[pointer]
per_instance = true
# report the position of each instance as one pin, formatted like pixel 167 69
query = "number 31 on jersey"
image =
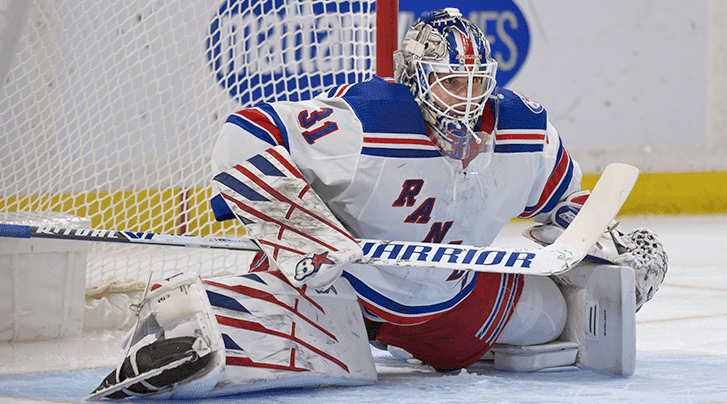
pixel 311 120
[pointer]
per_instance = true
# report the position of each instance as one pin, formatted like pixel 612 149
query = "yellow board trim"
pixel 188 212
pixel 674 193
pixel 169 211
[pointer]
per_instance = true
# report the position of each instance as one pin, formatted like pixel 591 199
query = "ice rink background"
pixel 681 347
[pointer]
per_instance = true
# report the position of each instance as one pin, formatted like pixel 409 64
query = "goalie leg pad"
pixel 601 316
pixel 175 350
pixel 553 356
pixel 600 330
pixel 527 344
pixel 280 336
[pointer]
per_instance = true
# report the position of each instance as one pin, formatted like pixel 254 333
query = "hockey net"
pixel 110 110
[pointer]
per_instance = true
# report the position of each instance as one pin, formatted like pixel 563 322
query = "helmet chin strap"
pixel 469 131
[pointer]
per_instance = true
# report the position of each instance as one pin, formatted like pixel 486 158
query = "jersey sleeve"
pixel 322 135
pixel 559 177
pixel 246 133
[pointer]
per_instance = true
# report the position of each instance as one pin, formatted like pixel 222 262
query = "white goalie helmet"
pixel 445 60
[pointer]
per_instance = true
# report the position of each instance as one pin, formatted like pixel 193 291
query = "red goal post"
pixel 387 36
pixel 109 110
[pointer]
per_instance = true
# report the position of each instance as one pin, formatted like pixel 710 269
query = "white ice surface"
pixel 681 347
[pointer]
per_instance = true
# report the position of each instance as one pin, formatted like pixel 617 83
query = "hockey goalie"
pixel 439 154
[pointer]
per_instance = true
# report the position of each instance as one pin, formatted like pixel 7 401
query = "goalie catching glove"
pixel 293 226
pixel 639 249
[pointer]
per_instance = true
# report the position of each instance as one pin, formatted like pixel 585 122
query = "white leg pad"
pixel 279 336
pixel 601 316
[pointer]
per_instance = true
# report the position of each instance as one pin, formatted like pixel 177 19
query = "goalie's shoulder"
pixel 519 112
pixel 382 106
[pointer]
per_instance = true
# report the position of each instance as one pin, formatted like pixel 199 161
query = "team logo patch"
pixel 309 266
pixel 565 215
pixel 532 105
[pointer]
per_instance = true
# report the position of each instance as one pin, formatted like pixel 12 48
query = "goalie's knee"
pixel 539 316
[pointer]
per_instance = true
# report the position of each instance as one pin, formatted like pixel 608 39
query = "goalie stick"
pixel 605 201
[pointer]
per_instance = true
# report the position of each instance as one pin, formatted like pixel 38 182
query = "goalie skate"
pixel 153 369
pixel 175 350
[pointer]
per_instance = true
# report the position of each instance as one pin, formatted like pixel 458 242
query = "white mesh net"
pixel 111 108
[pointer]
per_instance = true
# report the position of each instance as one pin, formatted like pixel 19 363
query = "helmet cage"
pixel 479 80
pixel 442 48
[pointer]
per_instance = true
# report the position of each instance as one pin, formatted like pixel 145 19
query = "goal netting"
pixel 109 109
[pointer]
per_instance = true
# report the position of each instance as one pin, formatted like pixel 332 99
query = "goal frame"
pixel 49 83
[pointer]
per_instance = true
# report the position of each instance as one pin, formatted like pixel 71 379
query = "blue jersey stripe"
pixel 560 192
pixel 562 188
pixel 268 109
pixel 395 307
pixel 401 153
pixel 518 148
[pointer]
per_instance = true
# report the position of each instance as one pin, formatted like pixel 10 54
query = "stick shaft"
pixel 127 237
pixel 602 206
pixel 427 255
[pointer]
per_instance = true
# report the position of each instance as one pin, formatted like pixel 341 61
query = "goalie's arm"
pixel 559 177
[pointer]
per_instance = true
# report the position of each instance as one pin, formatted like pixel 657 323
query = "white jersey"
pixel 364 150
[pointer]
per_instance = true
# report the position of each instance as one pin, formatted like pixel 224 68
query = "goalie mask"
pixel 445 60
